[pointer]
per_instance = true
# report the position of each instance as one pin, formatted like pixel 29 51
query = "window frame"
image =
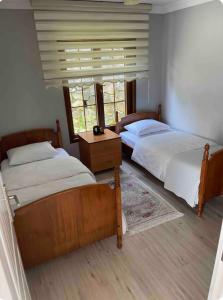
pixel 130 90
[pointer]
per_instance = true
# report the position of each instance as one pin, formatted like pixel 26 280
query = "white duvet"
pixel 183 174
pixel 174 157
pixel 41 172
pixel 154 152
pixel 35 180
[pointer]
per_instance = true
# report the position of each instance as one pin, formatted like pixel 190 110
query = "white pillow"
pixel 29 153
pixel 147 126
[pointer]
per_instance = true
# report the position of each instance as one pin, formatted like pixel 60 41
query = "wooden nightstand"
pixel 100 152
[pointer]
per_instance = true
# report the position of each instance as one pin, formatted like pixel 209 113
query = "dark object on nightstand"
pixel 100 152
pixel 97 130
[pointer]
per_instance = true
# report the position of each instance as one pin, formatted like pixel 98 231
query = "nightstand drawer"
pixel 105 155
pixel 104 163
pixel 106 148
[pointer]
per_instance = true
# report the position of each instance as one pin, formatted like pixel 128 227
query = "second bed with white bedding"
pixel 174 157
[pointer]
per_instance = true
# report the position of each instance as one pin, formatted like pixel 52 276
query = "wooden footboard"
pixel 211 181
pixel 68 220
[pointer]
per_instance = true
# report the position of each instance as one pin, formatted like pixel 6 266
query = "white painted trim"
pixel 157 9
pixel 216 289
pixel 176 5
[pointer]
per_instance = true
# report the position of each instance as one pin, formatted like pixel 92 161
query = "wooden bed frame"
pixel 62 222
pixel 211 177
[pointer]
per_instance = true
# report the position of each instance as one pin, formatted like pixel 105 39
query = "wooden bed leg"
pixel 203 178
pixel 200 209
pixel 118 207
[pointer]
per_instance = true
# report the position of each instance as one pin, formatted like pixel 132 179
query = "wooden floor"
pixel 171 261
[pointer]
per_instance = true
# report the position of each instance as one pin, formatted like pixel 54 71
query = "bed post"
pixel 59 135
pixel 203 178
pixel 118 207
pixel 159 112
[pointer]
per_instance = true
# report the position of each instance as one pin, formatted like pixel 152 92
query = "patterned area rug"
pixel 143 208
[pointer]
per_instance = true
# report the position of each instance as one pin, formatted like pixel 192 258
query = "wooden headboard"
pixel 28 137
pixel 137 117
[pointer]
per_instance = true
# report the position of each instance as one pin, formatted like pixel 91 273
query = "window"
pixel 94 104
pixel 86 44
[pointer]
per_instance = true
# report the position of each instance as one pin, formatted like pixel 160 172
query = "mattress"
pixel 27 185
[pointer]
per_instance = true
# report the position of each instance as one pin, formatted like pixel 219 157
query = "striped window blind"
pixel 83 42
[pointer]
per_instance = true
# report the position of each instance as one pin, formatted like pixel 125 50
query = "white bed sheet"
pixel 174 158
pixel 129 138
pixel 31 186
pixel 183 174
pixel 154 152
pixel 61 153
pixel 30 194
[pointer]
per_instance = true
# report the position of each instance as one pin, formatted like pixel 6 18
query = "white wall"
pixel 25 103
pixel 192 93
pixel 149 90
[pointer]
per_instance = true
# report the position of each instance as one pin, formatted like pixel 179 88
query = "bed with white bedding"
pixel 183 173
pixel 61 207
pixel 155 152
pixel 32 181
pixel 175 157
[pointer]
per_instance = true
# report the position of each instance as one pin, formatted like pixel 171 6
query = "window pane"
pixel 91 116
pixel 89 94
pixel 120 91
pixel 78 119
pixel 108 91
pixel 120 107
pixel 109 114
pixel 84 106
pixel 76 97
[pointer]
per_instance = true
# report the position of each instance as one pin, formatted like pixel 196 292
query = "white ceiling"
pixel 159 6
pixel 141 1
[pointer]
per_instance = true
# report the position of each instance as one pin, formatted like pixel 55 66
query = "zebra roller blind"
pixel 81 42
